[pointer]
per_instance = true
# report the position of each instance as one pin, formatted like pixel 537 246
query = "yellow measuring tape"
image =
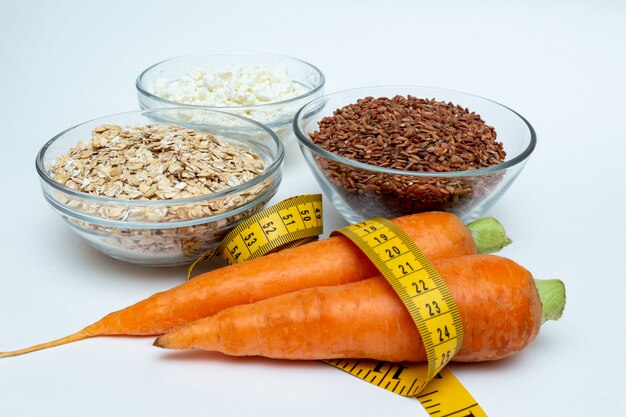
pixel 299 220
pixel 292 222
pixel 428 300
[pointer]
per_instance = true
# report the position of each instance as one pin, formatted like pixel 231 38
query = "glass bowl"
pixel 277 115
pixel 163 232
pixel 361 191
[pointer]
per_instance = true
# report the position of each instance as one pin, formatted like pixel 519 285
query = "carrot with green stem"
pixel 332 261
pixel 498 301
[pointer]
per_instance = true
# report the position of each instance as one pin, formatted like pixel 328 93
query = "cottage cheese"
pixel 233 87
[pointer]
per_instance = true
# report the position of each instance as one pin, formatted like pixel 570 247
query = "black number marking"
pixel 420 286
pixel 396 375
pixel 287 217
pixel 406 268
pixel 268 227
pixel 304 213
pixel 445 358
pixel 393 251
pixel 381 238
pixel 250 239
pixel 433 308
pixel 443 333
pixel 234 253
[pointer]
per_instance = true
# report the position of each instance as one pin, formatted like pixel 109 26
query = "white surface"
pixel 561 65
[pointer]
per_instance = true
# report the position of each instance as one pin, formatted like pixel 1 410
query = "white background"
pixel 561 64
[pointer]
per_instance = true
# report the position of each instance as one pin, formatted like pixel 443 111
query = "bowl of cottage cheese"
pixel 267 88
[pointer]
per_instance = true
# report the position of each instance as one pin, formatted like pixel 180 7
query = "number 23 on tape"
pixel 298 220
pixel 428 300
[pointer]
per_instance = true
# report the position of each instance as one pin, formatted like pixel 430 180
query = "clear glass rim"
pixel 123 224
pixel 269 171
pixel 310 108
pixel 141 88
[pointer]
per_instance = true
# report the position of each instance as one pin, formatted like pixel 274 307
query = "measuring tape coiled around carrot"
pixel 336 313
pixel 497 300
pixel 331 261
pixel 364 320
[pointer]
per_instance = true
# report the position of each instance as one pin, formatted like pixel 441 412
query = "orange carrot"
pixel 328 262
pixel 497 299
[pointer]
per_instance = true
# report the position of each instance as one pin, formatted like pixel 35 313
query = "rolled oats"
pixel 135 166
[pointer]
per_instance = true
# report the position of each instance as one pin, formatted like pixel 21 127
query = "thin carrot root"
pixel 74 337
pixel 332 261
pixel 497 299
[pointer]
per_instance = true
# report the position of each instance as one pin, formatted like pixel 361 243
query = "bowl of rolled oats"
pixel 265 87
pixel 394 150
pixel 152 187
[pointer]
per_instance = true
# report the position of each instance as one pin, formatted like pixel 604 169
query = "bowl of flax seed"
pixel 396 150
pixel 150 187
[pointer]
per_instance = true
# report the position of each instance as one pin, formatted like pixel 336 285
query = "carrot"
pixel 328 262
pixel 497 299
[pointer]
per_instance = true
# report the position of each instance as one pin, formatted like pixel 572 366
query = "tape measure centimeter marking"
pixel 399 378
pixel 427 299
pixel 292 219
pixel 445 396
pixel 298 220
pixel 418 284
pixel 290 223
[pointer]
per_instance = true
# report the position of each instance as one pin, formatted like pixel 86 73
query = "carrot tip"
pixel 83 334
pixel 158 343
